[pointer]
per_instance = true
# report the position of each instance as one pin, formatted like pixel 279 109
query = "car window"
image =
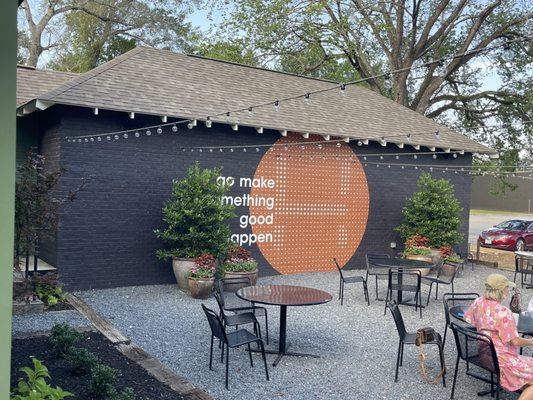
pixel 530 228
pixel 513 225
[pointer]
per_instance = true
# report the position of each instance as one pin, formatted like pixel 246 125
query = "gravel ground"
pixel 356 343
pixel 29 323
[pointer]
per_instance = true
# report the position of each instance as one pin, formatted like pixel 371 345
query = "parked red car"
pixel 516 234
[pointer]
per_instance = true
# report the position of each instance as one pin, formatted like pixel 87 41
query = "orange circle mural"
pixel 320 205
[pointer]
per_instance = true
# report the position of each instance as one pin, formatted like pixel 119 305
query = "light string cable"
pixel 276 103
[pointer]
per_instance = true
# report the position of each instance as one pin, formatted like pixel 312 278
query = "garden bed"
pixel 131 374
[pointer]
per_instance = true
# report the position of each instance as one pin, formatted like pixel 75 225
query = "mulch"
pixel 131 374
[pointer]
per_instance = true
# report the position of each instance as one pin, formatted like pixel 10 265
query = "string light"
pixel 343 90
pixel 276 106
pixel 159 131
pixel 250 111
pixel 208 122
pixel 190 125
pixel 148 133
pixel 137 134
pixel 174 128
pixel 125 136
pixel 307 98
pixel 437 135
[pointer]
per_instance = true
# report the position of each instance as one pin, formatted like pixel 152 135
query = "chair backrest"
pixel 409 277
pixel 338 267
pixel 398 319
pixel 217 329
pixel 370 257
pixel 455 298
pixel 447 271
pixel 218 291
pixel 475 348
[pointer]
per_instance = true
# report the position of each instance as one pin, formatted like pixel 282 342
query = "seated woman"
pixel 489 316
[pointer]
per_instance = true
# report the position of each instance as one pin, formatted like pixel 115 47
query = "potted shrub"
pixel 195 221
pixel 432 212
pixel 239 264
pixel 201 278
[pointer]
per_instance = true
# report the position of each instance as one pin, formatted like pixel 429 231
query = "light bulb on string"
pixel 190 125
pixel 228 116
pixel 210 150
pixel 79 140
pixel 159 131
pixel 359 143
pixel 148 133
pixel 221 150
pixel 381 157
pixel 250 111
pixel 116 137
pixel 408 137
pixel 338 144
pixel 200 150
pixel 99 138
pixel 276 106
pixel 231 150
pixel 91 139
pixel 319 146
pixel 125 136
pixel 397 157
pixel 437 135
pixel 415 156
pixel 364 158
pixel 108 137
pixel 343 90
pixel 86 140
pixel 244 150
pixel 208 122
pixel 434 156
pixel 174 128
pixel 307 98
pixel 137 134
pixel 454 155
pixel 257 149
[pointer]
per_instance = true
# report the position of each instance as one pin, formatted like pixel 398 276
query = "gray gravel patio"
pixel 356 343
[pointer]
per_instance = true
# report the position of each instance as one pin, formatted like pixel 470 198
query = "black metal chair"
pixel 454 298
pixel 233 339
pixel 525 269
pixel 242 318
pixel 373 270
pixel 350 279
pixel 445 276
pixel 406 281
pixel 476 348
pixel 410 338
pixel 231 303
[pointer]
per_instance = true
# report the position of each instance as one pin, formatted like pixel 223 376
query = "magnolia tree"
pixel 194 216
pixel 433 212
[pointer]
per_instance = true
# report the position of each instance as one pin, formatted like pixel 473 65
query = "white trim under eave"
pixel 34 106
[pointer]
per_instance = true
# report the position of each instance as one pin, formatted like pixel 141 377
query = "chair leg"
pixel 442 364
pixel 401 355
pixel 227 365
pixel 387 300
pixel 266 325
pixel 420 300
pixel 342 293
pixel 377 298
pixel 340 287
pixel 455 377
pixel 222 352
pixel 398 362
pixel 429 294
pixel 437 291
pixel 250 354
pixel 211 353
pixel 264 359
pixel 365 288
pixel 444 336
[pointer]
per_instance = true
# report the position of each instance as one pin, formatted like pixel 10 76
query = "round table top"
pixel 524 325
pixel 401 263
pixel 284 295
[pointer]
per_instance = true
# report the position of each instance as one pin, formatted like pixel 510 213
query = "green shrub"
pixel 103 380
pixel 62 338
pixel 195 216
pixel 35 387
pixel 240 266
pixel 81 360
pixel 48 290
pixel 126 394
pixel 433 212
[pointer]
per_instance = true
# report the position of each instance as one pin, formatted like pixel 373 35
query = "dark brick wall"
pixel 106 236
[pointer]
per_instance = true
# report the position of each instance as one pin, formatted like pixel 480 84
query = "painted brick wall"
pixel 106 236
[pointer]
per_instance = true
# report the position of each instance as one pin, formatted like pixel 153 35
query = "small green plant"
pixel 418 251
pixel 103 380
pixel 239 260
pixel 48 290
pixel 62 338
pixel 81 360
pixel 35 387
pixel 126 394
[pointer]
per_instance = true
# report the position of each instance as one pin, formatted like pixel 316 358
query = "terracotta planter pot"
pixel 429 258
pixel 181 268
pixel 201 288
pixel 233 287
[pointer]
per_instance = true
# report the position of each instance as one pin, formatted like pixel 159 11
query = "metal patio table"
pixel 284 296
pixel 402 264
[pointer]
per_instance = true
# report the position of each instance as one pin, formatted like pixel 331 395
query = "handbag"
pixel 515 305
pixel 425 335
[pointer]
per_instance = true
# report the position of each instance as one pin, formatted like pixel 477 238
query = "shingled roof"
pixel 159 82
pixel 33 83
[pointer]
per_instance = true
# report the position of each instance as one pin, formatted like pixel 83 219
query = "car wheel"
pixel 520 245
